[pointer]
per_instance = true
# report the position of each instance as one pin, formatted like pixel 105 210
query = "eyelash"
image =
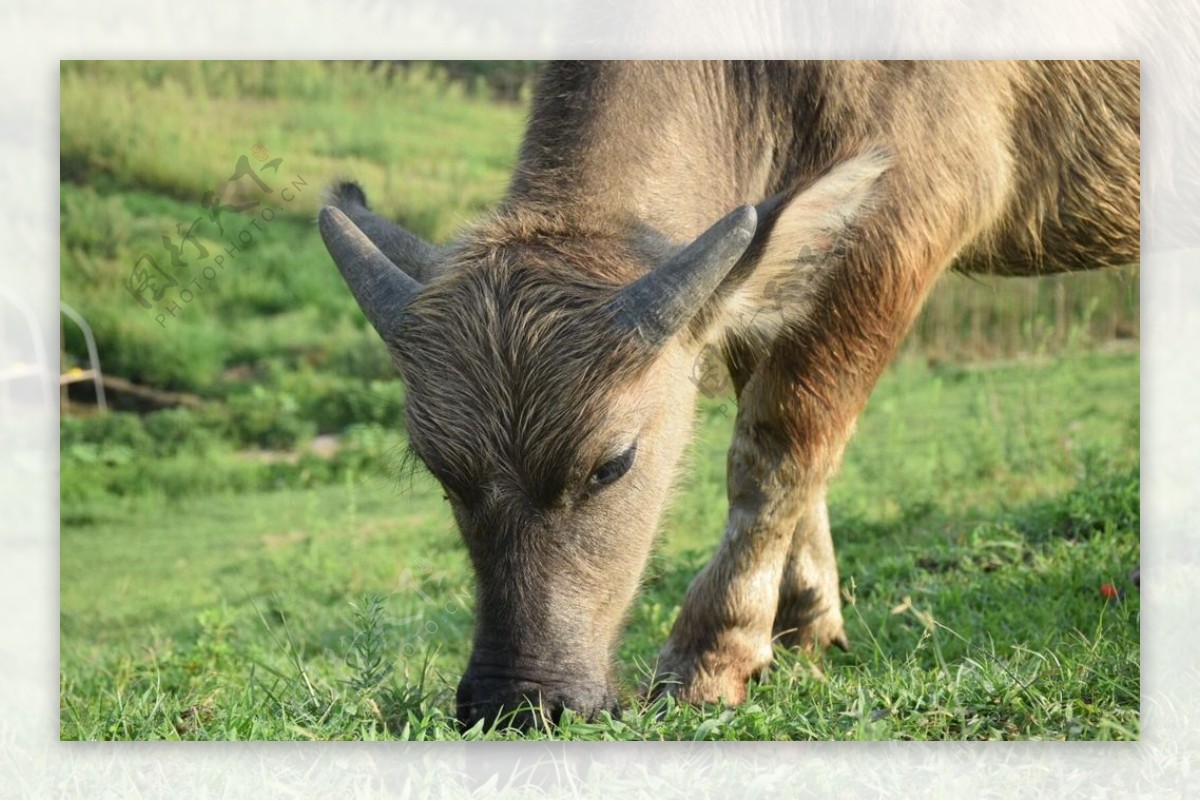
pixel 612 470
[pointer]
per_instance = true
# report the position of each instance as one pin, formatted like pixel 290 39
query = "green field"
pixel 257 563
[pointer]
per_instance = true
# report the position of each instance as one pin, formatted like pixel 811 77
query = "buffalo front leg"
pixel 775 570
pixel 723 635
pixel 810 609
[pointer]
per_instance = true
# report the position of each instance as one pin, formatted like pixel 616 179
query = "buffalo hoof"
pixel 711 677
pixel 815 636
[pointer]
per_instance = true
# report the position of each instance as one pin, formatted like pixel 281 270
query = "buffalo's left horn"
pixel 381 288
pixel 406 250
pixel 660 303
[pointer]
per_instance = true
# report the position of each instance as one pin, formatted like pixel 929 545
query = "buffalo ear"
pixel 800 240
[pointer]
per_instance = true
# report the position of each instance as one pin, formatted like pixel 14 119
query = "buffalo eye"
pixel 609 471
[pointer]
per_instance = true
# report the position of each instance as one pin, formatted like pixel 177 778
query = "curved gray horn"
pixel 381 288
pixel 664 300
pixel 406 250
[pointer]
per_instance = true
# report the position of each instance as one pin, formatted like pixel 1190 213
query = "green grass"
pixel 977 516
pixel 428 153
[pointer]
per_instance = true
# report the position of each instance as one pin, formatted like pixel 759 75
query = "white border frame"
pixel 1164 36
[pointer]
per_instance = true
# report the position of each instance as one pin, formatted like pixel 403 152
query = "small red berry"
pixel 1109 591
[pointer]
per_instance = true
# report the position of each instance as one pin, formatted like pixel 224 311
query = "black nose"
pixel 526 703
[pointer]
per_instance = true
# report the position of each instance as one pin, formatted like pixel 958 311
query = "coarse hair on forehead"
pixel 510 356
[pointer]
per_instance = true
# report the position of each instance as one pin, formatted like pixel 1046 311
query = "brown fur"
pixel 882 175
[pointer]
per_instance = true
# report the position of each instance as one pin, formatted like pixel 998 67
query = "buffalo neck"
pixel 666 147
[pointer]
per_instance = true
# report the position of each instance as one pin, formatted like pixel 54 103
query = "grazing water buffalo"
pixel 656 211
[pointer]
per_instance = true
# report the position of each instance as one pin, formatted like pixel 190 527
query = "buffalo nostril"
pixel 526 704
